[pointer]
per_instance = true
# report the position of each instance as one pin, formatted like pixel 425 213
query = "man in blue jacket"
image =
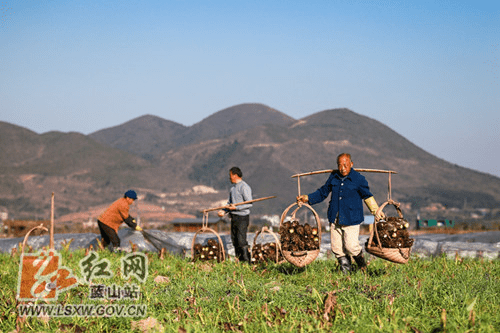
pixel 345 212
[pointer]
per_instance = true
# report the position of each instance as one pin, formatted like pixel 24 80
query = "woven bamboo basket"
pixel 265 230
pixel 396 255
pixel 221 254
pixel 301 258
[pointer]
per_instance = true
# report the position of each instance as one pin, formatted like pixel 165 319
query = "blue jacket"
pixel 346 199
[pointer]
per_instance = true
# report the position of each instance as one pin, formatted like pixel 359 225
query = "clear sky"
pixel 427 69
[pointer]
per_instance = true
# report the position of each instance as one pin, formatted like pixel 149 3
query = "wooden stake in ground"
pixel 51 245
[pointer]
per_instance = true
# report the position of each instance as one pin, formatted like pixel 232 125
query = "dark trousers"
pixel 239 229
pixel 108 236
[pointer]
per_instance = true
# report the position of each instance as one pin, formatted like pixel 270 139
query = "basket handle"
pixel 374 232
pixel 296 210
pixel 207 229
pixel 382 206
pixel 300 204
pixel 28 233
pixel 377 219
pixel 278 243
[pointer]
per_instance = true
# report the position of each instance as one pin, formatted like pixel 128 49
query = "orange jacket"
pixel 115 214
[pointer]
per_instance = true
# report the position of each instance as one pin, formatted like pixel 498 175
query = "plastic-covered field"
pixel 478 244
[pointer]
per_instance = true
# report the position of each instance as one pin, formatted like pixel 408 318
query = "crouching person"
pixel 113 217
pixel 345 211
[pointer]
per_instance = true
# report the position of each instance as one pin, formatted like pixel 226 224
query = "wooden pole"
pixel 298 185
pixel 51 245
pixel 389 193
pixel 239 203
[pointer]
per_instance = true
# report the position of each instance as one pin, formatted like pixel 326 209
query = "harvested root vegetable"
pixel 297 237
pixel 265 252
pixel 393 233
pixel 205 252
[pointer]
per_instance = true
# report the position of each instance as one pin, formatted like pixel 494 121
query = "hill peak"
pixel 333 116
pixel 246 114
pixel 235 119
pixel 141 136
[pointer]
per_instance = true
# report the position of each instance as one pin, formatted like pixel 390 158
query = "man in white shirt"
pixel 240 215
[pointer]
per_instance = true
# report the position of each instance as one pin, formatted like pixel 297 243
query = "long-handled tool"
pixel 237 204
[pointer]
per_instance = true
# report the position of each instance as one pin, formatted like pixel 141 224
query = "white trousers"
pixel 345 240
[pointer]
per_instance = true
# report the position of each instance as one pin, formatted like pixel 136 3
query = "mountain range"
pixel 164 161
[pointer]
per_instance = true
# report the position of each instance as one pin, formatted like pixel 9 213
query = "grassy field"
pixel 425 295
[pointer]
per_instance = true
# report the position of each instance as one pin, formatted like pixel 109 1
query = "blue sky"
pixel 430 70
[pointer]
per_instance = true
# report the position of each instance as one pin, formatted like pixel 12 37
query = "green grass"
pixel 425 295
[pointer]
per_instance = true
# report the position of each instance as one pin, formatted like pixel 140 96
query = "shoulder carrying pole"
pixel 390 172
pixel 335 170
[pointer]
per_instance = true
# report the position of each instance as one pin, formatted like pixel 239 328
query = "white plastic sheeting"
pixel 479 244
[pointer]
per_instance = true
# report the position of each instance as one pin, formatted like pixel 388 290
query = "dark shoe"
pixel 245 254
pixel 360 260
pixel 237 253
pixel 345 265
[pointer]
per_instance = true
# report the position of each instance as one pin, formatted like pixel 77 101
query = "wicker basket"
pixel 221 255
pixel 396 255
pixel 278 259
pixel 301 258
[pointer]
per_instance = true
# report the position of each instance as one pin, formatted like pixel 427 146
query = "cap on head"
pixel 131 194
